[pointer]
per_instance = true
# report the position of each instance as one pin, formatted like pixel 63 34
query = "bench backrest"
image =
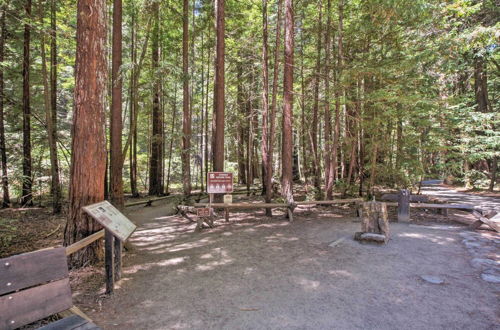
pixel 33 286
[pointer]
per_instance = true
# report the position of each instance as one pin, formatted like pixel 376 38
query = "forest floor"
pixel 259 273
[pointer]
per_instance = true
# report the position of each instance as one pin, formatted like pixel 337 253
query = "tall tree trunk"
pixel 206 107
pixel 219 88
pixel 249 158
pixel 314 128
pixel 272 116
pixel 116 161
pixel 52 129
pixel 493 171
pixel 266 178
pixel 49 122
pixel 88 163
pixel 133 108
pixel 219 92
pixel 329 168
pixel 240 100
pixel 481 85
pixel 27 194
pixel 155 173
pixel 174 116
pixel 287 141
pixel 3 150
pixel 186 111
pixel 340 62
pixel 303 126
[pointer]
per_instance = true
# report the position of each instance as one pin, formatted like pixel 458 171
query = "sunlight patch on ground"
pixel 308 285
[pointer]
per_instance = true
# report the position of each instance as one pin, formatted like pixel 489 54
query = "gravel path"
pixel 453 196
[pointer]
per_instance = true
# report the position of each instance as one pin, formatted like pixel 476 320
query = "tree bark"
pixel 340 62
pixel 55 190
pixel 133 108
pixel 329 168
pixel 88 163
pixel 3 150
pixel 52 130
pixel 272 116
pixel 174 116
pixel 27 197
pixel 266 178
pixel 481 85
pixel 493 170
pixel 116 161
pixel 287 141
pixel 155 162
pixel 314 127
pixel 186 111
pixel 219 88
pixel 240 100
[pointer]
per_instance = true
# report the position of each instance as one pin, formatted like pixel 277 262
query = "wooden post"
pixel 226 213
pixel 109 260
pixel 118 245
pixel 404 205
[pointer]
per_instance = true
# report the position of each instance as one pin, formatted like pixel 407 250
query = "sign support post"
pixel 109 260
pixel 118 229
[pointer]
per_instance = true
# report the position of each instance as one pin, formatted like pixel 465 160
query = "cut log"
pixel 375 219
pixel 370 237
pixel 493 222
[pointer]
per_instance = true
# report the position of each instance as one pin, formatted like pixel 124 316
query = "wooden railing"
pixel 84 242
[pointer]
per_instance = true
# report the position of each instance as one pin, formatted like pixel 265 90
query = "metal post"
pixel 109 260
pixel 404 205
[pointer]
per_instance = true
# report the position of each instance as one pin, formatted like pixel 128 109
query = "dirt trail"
pixel 260 273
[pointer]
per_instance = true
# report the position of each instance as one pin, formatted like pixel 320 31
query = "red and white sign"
pixel 220 182
pixel 204 212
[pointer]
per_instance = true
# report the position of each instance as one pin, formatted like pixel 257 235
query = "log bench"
pixel 404 204
pixel 34 286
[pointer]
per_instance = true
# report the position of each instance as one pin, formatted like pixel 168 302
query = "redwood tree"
pixel 266 173
pixel 155 162
pixel 287 136
pixel 186 111
pixel 218 140
pixel 88 162
pixel 3 151
pixel 27 197
pixel 116 156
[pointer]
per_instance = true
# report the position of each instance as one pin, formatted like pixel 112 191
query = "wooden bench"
pixel 34 286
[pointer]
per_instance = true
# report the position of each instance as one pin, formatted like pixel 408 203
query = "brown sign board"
pixel 112 219
pixel 204 212
pixel 220 182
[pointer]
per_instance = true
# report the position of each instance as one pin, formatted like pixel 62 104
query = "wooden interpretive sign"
pixel 220 182
pixel 204 212
pixel 111 219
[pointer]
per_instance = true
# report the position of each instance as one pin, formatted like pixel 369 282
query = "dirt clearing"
pixel 258 273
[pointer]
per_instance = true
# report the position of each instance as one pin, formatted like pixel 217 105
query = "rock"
pixel 432 279
pixel 490 278
pixel 336 242
pixel 471 245
pixel 479 262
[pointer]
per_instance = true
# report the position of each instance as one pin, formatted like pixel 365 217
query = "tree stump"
pixel 375 222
